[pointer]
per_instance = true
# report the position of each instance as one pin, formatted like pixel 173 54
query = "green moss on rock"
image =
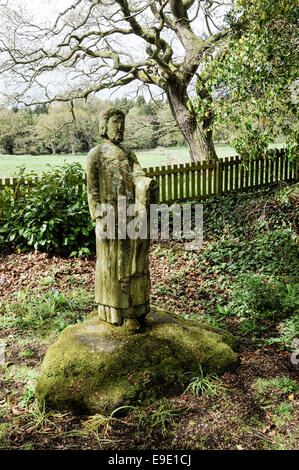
pixel 95 367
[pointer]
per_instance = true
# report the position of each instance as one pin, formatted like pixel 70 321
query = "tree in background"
pixel 105 44
pixel 17 131
pixel 168 132
pixel 141 125
pixel 53 130
pixel 255 82
pixel 87 120
pixel 48 128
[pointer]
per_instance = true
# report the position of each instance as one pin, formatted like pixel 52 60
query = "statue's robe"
pixel 113 172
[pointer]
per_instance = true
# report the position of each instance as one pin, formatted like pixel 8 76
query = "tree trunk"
pixel 198 137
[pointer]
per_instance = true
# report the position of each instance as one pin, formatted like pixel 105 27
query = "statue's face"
pixel 116 127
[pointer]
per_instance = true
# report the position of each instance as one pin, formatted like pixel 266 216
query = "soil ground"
pixel 237 415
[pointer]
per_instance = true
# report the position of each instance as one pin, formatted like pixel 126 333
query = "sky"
pixel 45 11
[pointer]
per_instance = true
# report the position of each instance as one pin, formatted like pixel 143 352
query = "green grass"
pixel 37 311
pixel 147 158
pixel 284 384
pixel 36 163
pixel 205 383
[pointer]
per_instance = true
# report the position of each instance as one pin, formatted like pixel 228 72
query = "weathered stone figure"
pixel 122 280
pixel 94 367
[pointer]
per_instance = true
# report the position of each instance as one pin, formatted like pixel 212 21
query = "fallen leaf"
pixel 265 429
pixel 16 411
pixel 29 430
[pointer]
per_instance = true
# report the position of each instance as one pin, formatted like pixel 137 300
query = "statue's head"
pixel 112 125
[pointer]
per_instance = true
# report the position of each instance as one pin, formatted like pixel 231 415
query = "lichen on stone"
pixel 95 367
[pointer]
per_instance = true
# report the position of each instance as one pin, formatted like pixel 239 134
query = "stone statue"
pixel 95 367
pixel 122 281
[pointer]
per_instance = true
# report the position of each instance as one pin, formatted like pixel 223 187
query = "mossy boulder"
pixel 95 367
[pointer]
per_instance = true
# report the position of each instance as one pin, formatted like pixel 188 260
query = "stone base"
pixel 95 367
pixel 116 316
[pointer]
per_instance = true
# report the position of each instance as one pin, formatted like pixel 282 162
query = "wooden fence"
pixel 199 181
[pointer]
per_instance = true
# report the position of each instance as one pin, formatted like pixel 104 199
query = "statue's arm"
pixel 93 184
pixel 146 187
pixel 137 170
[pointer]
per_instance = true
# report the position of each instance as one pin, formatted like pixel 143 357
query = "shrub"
pixel 288 331
pixel 52 215
pixel 274 253
pixel 257 299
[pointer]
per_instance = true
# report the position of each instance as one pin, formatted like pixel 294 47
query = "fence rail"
pixel 199 181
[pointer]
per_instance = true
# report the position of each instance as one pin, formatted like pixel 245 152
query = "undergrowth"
pixel 253 250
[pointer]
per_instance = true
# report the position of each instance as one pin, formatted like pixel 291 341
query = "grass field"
pixel 147 158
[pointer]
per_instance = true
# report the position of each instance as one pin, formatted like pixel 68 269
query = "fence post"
pixel 219 177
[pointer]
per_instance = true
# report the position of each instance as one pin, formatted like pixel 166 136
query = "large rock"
pixel 95 367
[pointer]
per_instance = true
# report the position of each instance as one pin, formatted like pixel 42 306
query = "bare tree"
pixel 105 44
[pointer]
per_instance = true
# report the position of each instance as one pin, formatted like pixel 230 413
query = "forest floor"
pixel 255 407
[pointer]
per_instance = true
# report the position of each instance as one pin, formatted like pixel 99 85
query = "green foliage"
pixel 141 125
pixel 205 383
pixel 274 251
pixel 39 418
pixel 254 77
pixel 17 132
pixel 53 130
pixel 41 312
pixel 251 145
pixel 284 410
pixel 253 255
pixel 153 419
pixel 51 215
pixel 250 215
pixel 257 299
pixel 29 391
pixel 158 419
pixel 284 384
pixel 252 232
pixel 288 330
